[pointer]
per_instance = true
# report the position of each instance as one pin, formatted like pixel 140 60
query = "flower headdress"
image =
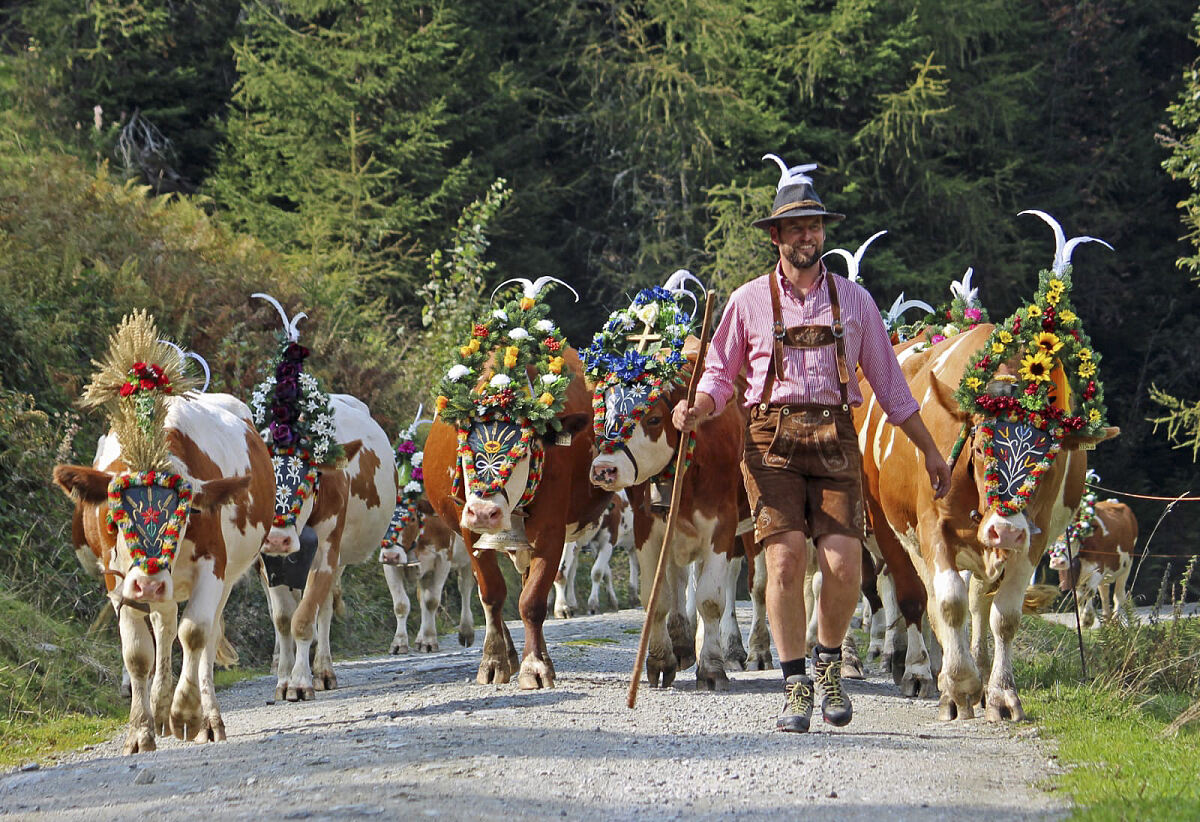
pixel 962 313
pixel 290 406
pixel 522 337
pixel 640 345
pixel 148 502
pixel 1057 385
pixel 1084 524
pixel 410 480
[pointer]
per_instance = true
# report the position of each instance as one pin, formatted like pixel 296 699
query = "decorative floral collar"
pixel 410 483
pixel 520 336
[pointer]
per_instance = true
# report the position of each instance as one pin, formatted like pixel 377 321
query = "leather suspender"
pixel 806 337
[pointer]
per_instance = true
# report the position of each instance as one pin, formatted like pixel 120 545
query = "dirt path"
pixel 414 735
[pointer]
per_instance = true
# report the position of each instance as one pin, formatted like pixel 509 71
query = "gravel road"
pixel 414 735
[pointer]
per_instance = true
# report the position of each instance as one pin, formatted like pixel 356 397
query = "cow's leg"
pixel 429 594
pixel 731 632
pixel 137 652
pixel 883 634
pixel 318 596
pixel 1002 700
pixel 959 680
pixel 601 575
pixel 283 602
pixel 322 667
pixel 917 679
pixel 466 585
pixel 759 658
pixel 499 659
pixel 400 607
pixel 537 670
pixel 195 635
pixel 213 729
pixel 812 593
pixel 1124 564
pixel 565 603
pixel 979 605
pixel 712 572
pixel 681 619
pixel 661 662
pixel 635 566
pixel 165 623
pixel 1105 592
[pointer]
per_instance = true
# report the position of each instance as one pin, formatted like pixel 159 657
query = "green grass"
pixel 1118 763
pixel 599 640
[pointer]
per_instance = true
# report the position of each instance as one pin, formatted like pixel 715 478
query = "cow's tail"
pixel 1039 598
pixel 227 655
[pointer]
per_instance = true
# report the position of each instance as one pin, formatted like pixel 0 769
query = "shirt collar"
pixel 786 284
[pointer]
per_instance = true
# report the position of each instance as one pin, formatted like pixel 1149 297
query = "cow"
pixel 1101 561
pixel 615 530
pixel 348 513
pixel 966 531
pixel 432 550
pixel 186 530
pixel 516 484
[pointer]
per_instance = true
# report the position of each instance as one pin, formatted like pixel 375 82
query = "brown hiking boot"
pixel 835 705
pixel 798 706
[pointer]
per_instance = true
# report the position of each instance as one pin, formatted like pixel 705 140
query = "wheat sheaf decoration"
pixel 131 384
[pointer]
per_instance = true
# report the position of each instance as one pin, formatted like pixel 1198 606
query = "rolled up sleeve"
pixel 882 370
pixel 726 356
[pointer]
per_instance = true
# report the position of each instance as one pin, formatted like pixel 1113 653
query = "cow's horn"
pixel 183 355
pixel 290 326
pixel 531 288
pixel 1062 248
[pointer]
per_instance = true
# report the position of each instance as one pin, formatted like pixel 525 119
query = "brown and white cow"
pixel 229 469
pixel 615 525
pixel 1102 562
pixel 960 539
pixel 563 507
pixel 432 549
pixel 706 525
pixel 348 515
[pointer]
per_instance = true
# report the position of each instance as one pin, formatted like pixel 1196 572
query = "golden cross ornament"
pixel 645 338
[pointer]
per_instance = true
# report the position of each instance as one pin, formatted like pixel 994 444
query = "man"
pixel 798 333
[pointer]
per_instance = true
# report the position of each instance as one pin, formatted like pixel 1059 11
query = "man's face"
pixel 801 240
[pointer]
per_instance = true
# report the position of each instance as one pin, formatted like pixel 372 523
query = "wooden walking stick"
pixel 672 514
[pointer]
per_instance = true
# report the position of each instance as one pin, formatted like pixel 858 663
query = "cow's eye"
pixel 654 420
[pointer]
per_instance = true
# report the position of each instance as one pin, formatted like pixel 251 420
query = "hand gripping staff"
pixel 676 495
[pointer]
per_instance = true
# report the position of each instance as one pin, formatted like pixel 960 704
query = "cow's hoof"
pixel 535 673
pixel 593 607
pixel 949 710
pixel 759 661
pixel 139 740
pixel 565 612
pixel 211 730
pixel 660 674
pixel 874 653
pixel 466 638
pixel 399 647
pixel 280 692
pixel 735 659
pixel 324 680
pixel 425 646
pixel 917 687
pixel 1003 705
pixel 295 694
pixel 711 680
pixel 185 713
pixel 493 671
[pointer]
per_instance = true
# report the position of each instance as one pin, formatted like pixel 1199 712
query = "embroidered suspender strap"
pixel 839 335
pixel 775 367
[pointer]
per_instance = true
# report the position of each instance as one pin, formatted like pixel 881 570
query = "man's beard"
pixel 799 260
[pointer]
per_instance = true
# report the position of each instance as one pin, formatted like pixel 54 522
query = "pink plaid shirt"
pixel 744 340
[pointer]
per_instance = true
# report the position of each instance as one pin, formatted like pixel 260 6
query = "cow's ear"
pixel 215 493
pixel 81 483
pixel 942 394
pixel 691 348
pixel 572 424
pixel 349 451
pixel 424 506
pixel 1075 440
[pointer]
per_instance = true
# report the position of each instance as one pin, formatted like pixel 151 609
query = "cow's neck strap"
pixel 806 336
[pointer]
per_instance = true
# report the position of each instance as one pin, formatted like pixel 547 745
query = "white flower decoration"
pixel 500 381
pixel 518 334
pixel 457 372
pixel 627 322
pixel 550 379
pixel 500 315
pixel 417 458
pixel 545 326
pixel 413 487
pixel 648 313
pixel 950 330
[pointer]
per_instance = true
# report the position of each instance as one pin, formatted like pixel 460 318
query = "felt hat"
pixel 794 196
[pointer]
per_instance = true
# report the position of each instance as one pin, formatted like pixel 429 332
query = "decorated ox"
pixel 1022 397
pixel 174 508
pixel 507 460
pixel 420 545
pixel 1102 539
pixel 336 483
pixel 639 366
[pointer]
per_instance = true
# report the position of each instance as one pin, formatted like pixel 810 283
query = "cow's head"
pixel 501 462
pixel 634 433
pixel 399 544
pixel 148 513
pixel 1011 461
pixel 297 480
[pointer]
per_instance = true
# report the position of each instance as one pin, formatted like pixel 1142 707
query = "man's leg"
pixel 786 559
pixel 840 560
